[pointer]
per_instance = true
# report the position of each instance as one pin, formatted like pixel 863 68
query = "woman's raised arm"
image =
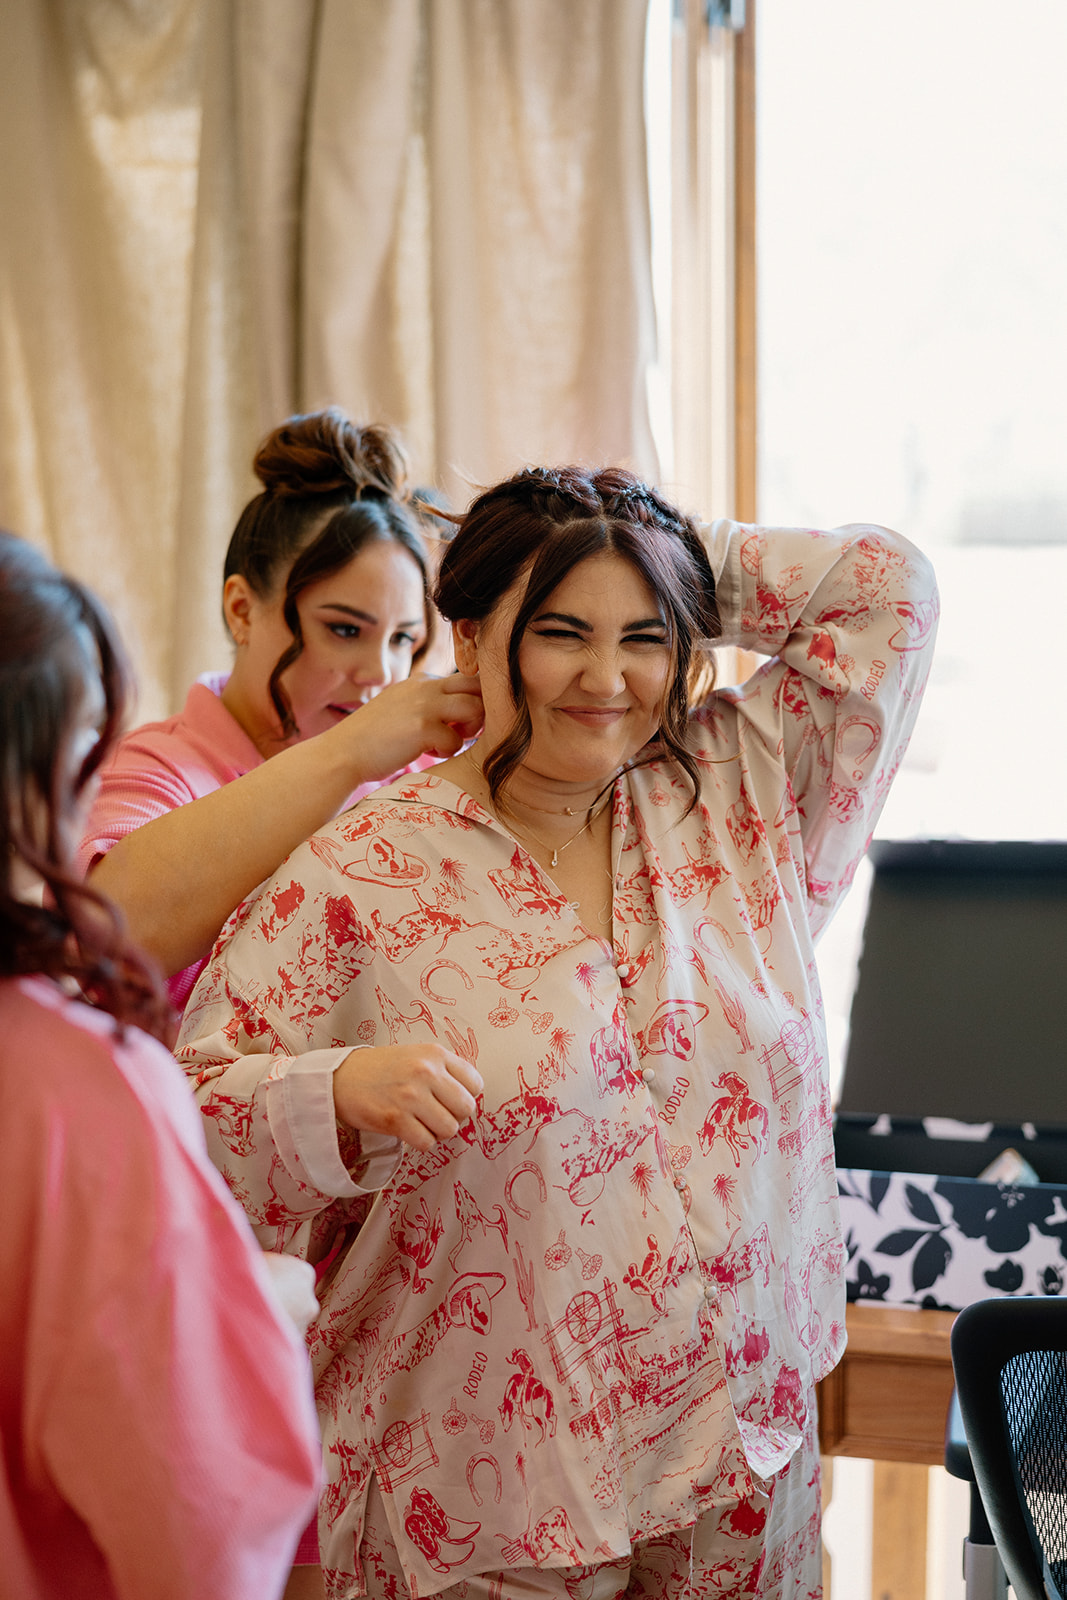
pixel 847 619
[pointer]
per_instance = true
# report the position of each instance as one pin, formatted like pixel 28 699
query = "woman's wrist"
pixel 332 762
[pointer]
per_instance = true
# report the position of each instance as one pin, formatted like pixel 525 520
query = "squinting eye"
pixel 403 641
pixel 644 638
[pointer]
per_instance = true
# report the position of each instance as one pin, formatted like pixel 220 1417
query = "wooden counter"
pixel 888 1402
pixel 888 1399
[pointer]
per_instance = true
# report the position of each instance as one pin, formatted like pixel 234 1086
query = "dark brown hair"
pixel 330 487
pixel 543 522
pixel 54 637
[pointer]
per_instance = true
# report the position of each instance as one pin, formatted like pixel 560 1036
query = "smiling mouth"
pixel 595 713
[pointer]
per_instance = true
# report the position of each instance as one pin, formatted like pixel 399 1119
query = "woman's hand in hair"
pixel 421 716
pixel 419 1093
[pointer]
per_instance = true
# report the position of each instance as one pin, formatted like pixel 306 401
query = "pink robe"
pixel 158 1432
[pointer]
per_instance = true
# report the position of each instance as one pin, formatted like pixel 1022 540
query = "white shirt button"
pixel 648 1073
pixel 625 972
pixel 680 1181
pixel 711 1294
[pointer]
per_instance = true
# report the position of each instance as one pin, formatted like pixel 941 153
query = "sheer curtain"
pixel 432 213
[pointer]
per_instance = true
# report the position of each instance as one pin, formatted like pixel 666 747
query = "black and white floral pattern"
pixel 921 1240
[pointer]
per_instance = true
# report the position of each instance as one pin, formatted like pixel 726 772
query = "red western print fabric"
pixel 520 1337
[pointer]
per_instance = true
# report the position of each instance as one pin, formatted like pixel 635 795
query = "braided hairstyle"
pixel 541 523
pixel 330 487
pixel 55 639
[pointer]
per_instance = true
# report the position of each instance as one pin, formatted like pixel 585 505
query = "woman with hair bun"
pixel 145 1366
pixel 325 595
pixel 572 1350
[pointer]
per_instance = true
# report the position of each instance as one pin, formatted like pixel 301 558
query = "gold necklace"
pixel 568 811
pixel 546 811
pixel 557 850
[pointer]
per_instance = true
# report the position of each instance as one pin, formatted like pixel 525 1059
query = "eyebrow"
pixel 587 627
pixel 366 616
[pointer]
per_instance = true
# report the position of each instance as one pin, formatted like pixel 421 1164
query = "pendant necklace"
pixel 557 850
pixel 567 811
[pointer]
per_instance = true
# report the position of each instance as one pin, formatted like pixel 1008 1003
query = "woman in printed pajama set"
pixel 573 1349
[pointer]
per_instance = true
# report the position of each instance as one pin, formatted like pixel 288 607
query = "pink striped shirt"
pixel 163 765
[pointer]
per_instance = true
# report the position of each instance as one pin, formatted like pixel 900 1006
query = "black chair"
pixel 1010 1362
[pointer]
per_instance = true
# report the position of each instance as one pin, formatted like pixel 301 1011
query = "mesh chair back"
pixel 1010 1362
pixel 1033 1391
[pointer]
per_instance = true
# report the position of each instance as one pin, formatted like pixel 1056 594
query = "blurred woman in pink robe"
pixel 159 1439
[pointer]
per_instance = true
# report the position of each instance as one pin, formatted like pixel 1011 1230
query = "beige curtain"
pixel 495 273
pixel 433 213
pixel 99 124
